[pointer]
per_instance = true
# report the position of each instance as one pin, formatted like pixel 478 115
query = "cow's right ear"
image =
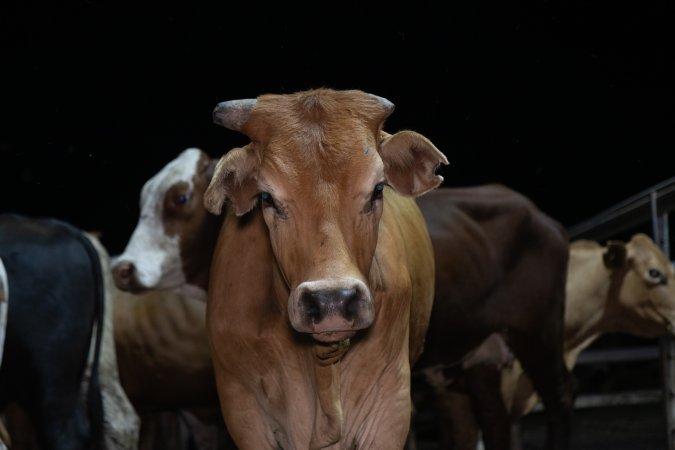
pixel 234 180
pixel 615 255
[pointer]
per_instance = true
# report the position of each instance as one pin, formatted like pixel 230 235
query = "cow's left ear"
pixel 615 255
pixel 410 162
pixel 233 180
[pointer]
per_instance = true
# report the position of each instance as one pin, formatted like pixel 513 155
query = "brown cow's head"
pixel 317 164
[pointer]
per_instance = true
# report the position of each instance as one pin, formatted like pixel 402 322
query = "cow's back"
pixel 486 240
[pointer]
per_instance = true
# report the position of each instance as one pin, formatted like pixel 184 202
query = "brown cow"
pixel 322 279
pixel 500 267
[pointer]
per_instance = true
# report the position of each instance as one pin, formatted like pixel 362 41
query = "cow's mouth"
pixel 330 352
pixel 332 337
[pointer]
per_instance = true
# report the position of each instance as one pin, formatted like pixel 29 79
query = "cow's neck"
pixel 592 312
pixel 328 425
pixel 196 255
pixel 328 422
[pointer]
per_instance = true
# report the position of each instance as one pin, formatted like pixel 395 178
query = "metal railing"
pixel 651 206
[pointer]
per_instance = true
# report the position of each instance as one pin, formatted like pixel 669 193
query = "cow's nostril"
pixel 319 304
pixel 350 303
pixel 312 306
pixel 122 274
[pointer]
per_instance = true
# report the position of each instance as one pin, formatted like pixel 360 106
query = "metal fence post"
pixel 667 343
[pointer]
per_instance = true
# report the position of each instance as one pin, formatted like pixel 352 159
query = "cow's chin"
pixel 333 337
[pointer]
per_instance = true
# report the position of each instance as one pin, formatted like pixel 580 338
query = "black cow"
pixel 55 304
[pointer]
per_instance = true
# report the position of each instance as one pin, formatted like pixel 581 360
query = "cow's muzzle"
pixel 124 276
pixel 331 310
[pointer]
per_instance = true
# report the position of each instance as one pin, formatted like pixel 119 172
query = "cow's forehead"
pixel 181 169
pixel 333 148
pixel 321 120
pixel 349 167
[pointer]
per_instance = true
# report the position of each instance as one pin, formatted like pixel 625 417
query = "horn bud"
pixel 233 114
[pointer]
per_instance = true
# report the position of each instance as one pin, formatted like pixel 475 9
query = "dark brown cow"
pixel 501 267
pixel 322 278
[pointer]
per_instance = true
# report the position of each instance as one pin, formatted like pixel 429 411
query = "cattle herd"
pixel 284 295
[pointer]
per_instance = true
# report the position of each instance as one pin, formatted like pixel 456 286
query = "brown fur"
pixel 501 267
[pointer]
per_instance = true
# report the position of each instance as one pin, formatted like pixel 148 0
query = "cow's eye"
pixel 374 197
pixel 181 199
pixel 266 199
pixel 377 192
pixel 657 276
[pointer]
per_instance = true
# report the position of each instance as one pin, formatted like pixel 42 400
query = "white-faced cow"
pixel 165 250
pixel 160 334
pixel 56 307
pixel 322 278
pixel 623 287
pixel 500 268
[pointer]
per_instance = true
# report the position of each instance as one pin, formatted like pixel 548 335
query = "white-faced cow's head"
pixel 172 244
pixel 644 286
pixel 318 163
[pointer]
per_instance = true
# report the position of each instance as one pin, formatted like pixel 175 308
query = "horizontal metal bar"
pixel 627 214
pixel 641 397
pixel 622 354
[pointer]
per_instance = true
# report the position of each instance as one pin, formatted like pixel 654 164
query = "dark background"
pixel 569 102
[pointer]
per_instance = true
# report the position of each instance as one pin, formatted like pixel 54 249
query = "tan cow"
pixel 621 287
pixel 322 279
